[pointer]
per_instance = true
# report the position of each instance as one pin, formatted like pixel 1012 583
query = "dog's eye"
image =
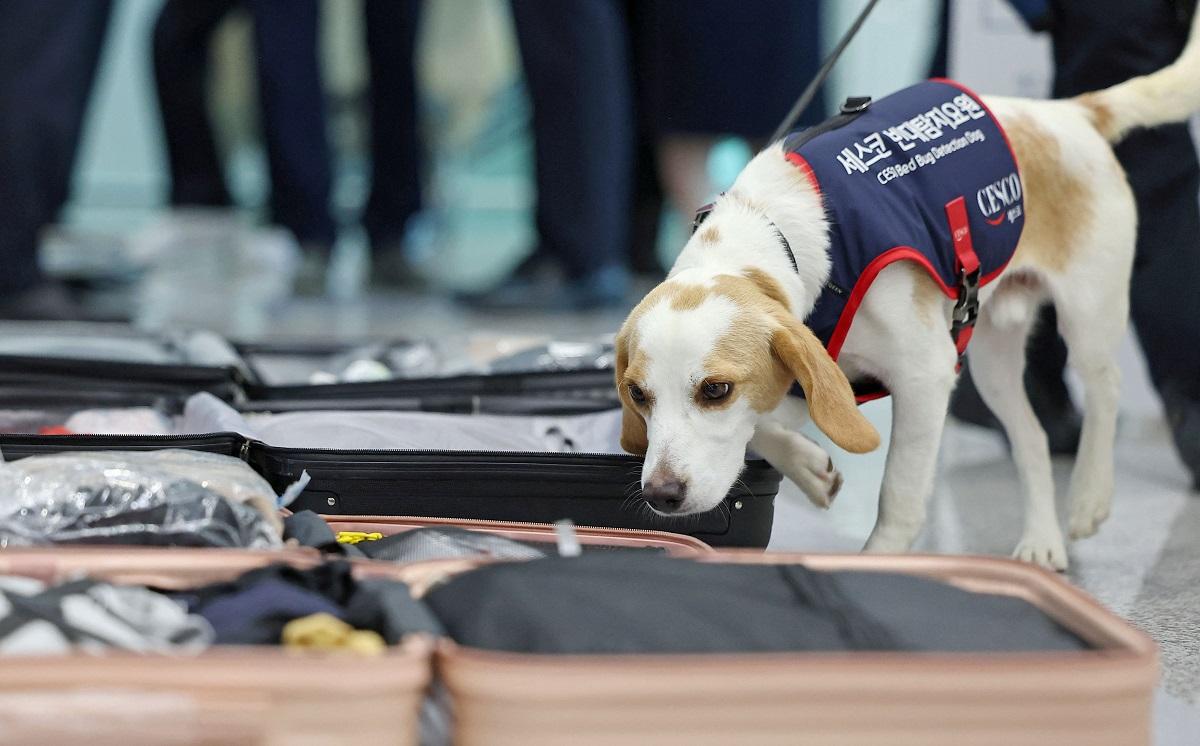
pixel 636 394
pixel 715 390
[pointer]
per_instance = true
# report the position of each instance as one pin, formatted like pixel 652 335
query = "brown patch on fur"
pixel 634 438
pixel 711 234
pixel 1057 201
pixel 688 297
pixel 1100 115
pixel 767 285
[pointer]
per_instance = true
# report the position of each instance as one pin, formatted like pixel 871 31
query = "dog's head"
pixel 698 363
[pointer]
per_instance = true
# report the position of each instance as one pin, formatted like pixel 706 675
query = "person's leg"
pixel 293 107
pixel 575 54
pixel 182 50
pixel 1165 306
pixel 49 50
pixel 683 166
pixel 1098 43
pixel 396 164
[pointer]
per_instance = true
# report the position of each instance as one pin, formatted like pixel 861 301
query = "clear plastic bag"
pixel 173 497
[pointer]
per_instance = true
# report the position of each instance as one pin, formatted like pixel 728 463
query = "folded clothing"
pixel 445 542
pixel 184 498
pixel 255 608
pixel 365 430
pixel 415 545
pixel 619 603
pixel 93 617
pixel 162 498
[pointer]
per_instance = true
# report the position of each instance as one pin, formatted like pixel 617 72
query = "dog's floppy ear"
pixel 633 428
pixel 830 399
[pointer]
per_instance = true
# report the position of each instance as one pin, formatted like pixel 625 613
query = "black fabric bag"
pixel 590 490
pixel 629 604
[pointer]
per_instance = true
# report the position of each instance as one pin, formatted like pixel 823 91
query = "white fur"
pixel 911 353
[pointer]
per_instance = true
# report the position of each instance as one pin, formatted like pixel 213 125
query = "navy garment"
pixel 705 69
pixel 292 101
pixel 254 608
pixel 49 51
pixel 576 59
pixel 1099 43
pixel 397 160
pixel 893 180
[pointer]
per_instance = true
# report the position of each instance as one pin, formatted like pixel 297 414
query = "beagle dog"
pixel 705 362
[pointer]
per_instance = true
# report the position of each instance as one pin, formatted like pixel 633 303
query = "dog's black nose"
pixel 665 495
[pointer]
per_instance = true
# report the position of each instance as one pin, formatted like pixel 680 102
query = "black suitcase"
pixel 591 490
pixel 249 385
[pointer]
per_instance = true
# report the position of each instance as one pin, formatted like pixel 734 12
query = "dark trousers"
pixel 396 155
pixel 49 50
pixel 1099 43
pixel 576 58
pixel 292 102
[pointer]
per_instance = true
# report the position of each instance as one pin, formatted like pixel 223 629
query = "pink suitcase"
pixel 243 695
pixel 1100 697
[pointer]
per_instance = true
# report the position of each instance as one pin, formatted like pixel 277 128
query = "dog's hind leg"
pixel 997 360
pixel 1092 323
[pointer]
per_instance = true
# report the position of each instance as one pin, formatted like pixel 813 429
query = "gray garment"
pixel 94 617
pixel 591 433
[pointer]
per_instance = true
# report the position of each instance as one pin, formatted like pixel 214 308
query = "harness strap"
pixel 704 211
pixel 966 308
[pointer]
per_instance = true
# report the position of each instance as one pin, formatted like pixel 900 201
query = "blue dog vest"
pixel 924 175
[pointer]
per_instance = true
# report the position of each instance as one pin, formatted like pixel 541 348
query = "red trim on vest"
pixel 798 161
pixel 895 254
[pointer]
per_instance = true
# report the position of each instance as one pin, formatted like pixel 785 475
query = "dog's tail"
pixel 1170 95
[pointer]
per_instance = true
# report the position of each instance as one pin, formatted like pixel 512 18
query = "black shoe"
pixel 391 270
pixel 1055 411
pixel 48 301
pixel 1182 405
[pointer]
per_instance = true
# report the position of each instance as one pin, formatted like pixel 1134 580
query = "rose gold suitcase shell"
pixel 1094 698
pixel 673 544
pixel 228 695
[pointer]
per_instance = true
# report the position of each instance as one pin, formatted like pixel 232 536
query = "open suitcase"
pixel 106 364
pixel 590 490
pixel 233 695
pixel 1100 696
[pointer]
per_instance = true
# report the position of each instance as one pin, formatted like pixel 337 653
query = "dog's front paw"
pixel 1087 515
pixel 820 485
pixel 1048 551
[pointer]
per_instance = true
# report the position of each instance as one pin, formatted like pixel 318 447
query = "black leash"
pixel 810 92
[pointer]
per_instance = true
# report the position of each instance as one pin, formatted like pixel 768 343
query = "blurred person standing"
pixel 49 50
pixel 292 107
pixel 397 163
pixel 577 72
pixel 1099 43
pixel 714 72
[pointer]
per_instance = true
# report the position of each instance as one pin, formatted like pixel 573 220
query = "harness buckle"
pixel 966 308
pixel 702 215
